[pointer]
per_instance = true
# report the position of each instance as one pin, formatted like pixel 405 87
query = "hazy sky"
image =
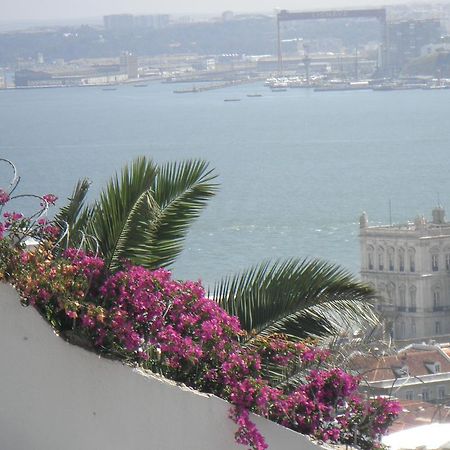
pixel 21 10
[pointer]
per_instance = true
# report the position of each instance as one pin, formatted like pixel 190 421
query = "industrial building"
pixel 407 39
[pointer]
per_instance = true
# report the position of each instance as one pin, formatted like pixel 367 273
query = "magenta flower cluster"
pixel 171 327
pixel 17 225
pixel 4 197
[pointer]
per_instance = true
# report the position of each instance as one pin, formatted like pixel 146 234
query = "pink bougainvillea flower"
pixel 4 197
pixel 50 198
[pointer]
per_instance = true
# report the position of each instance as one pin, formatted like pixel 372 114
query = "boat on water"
pixel 140 85
pixel 352 86
pixel 232 100
pixel 187 91
pixel 397 87
pixel 278 89
pixel 109 89
pixel 254 95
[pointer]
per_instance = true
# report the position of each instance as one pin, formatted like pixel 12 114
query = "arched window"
pixel 437 300
pixel 447 257
pixel 370 257
pixel 412 299
pixel 435 259
pixel 413 328
pixel 402 298
pixel 391 257
pixel 391 292
pixel 412 259
pixel 437 327
pixel 401 330
pixel 380 258
pixel 401 259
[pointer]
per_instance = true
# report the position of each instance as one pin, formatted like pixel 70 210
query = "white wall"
pixel 56 396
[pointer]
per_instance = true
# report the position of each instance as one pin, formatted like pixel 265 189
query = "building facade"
pixel 409 267
pixel 129 64
pixel 407 38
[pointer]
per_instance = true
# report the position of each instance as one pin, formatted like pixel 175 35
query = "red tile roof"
pixel 388 367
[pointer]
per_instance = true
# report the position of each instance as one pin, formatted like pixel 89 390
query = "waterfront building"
pixel 129 64
pixel 409 267
pixel 29 78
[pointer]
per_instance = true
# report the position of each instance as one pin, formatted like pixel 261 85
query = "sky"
pixel 35 10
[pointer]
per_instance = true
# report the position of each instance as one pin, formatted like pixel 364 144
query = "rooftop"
pixel 410 362
pixel 438 226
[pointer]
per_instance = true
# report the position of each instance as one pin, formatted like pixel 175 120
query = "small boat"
pixel 279 89
pixel 187 91
pixel 232 100
pixel 109 89
pixel 140 85
pixel 254 95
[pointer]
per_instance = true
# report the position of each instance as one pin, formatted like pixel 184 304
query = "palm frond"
pixel 137 238
pixel 74 216
pixel 124 210
pixel 181 191
pixel 144 214
pixel 300 298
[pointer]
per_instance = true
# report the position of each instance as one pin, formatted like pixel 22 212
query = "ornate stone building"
pixel 409 266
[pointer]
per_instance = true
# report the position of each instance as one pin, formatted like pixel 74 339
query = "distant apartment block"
pixel 118 22
pixel 123 22
pixel 409 266
pixel 156 21
pixel 406 40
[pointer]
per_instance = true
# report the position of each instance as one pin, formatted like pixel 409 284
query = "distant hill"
pixel 248 35
pixel 436 64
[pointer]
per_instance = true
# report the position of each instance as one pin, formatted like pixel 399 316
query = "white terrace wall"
pixel 56 396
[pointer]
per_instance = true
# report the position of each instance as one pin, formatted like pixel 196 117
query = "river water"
pixel 296 168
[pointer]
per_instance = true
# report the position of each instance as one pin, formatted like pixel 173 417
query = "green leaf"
pixel 122 217
pixel 300 298
pixel 74 216
pixel 144 214
pixel 182 191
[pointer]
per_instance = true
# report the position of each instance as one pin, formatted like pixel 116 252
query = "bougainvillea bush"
pixel 170 327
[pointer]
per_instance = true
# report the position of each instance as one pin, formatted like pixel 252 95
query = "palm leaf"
pixel 74 216
pixel 125 206
pixel 136 240
pixel 144 214
pixel 300 298
pixel 181 191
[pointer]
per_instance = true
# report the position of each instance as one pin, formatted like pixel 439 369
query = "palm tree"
pixel 144 214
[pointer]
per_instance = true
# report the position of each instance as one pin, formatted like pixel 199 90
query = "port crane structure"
pixel 378 13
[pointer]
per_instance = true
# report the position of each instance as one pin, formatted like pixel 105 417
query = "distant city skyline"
pixel 29 10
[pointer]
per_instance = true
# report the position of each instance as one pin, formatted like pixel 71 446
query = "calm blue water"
pixel 296 168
